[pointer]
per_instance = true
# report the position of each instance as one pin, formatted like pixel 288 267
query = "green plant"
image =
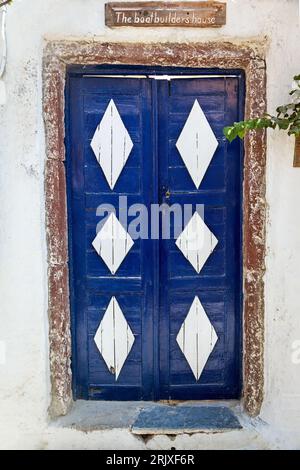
pixel 4 2
pixel 287 118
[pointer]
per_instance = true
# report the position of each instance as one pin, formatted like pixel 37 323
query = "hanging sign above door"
pixel 166 14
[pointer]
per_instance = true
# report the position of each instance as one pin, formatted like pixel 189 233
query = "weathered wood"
pixel 297 153
pixel 197 338
pixel 111 144
pixel 112 243
pixel 162 14
pixel 114 338
pixel 196 242
pixel 197 144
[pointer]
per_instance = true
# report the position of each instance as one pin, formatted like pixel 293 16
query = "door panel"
pixel 217 286
pixel 133 331
pixel 92 284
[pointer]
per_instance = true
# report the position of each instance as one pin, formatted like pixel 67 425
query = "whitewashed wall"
pixel 24 376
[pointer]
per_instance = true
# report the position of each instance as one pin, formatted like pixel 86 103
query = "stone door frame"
pixel 249 58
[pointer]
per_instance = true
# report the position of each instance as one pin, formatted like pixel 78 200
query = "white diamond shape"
pixel 111 144
pixel 197 144
pixel 112 243
pixel 197 338
pixel 196 242
pixel 114 338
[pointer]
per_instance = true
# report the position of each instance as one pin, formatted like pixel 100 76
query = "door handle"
pixel 167 194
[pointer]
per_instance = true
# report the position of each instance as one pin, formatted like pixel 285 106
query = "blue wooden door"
pixel 153 318
pixel 192 365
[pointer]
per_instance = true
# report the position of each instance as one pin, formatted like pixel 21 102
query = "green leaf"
pixel 250 125
pixel 288 119
pixel 5 2
pixel 294 130
pixel 230 133
pixel 283 124
pixel 281 109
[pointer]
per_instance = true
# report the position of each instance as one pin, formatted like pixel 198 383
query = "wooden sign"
pixel 166 14
pixel 297 153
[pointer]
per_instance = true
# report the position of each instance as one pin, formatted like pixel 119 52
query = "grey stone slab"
pixel 99 415
pixel 184 419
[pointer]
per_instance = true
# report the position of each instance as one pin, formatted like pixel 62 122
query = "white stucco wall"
pixel 24 374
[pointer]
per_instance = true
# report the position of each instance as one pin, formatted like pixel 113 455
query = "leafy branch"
pixel 287 118
pixel 4 2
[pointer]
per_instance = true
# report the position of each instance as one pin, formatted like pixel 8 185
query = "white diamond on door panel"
pixel 114 338
pixel 197 144
pixel 196 242
pixel 112 243
pixel 197 338
pixel 111 144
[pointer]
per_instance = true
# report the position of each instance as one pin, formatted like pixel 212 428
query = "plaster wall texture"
pixel 24 370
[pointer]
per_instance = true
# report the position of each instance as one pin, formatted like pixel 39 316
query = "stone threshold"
pixel 146 418
pixel 181 419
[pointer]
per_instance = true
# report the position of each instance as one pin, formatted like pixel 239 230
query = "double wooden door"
pixel 154 317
